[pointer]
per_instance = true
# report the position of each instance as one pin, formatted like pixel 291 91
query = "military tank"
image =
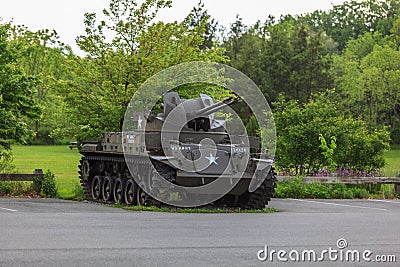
pixel 122 167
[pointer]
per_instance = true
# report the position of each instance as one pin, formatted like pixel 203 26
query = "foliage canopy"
pixel 16 98
pixel 106 79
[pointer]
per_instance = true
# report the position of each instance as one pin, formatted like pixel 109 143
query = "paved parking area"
pixel 42 232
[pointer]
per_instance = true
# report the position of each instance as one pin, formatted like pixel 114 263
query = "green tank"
pixel 166 155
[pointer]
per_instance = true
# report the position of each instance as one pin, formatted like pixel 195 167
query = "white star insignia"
pixel 139 123
pixel 212 159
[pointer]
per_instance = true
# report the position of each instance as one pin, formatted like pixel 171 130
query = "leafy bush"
pixel 296 188
pixel 316 190
pixel 42 137
pixel 79 194
pixel 12 188
pixel 46 137
pixel 290 189
pixel 301 128
pixel 340 191
pixel 388 191
pixel 49 187
pixel 6 159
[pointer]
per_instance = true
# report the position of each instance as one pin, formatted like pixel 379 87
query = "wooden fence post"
pixel 397 186
pixel 37 180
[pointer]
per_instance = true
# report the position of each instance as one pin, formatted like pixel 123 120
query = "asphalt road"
pixel 37 232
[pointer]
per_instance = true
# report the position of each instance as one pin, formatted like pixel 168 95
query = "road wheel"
pixel 106 189
pixel 96 188
pixel 141 196
pixel 130 192
pixel 118 191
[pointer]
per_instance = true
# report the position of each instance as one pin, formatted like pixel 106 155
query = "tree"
pixel 310 64
pixel 367 82
pixel 363 45
pixel 105 80
pixel 232 42
pixel 16 97
pixel 43 56
pixel 354 18
pixel 276 57
pixel 199 15
pixel 245 47
pixel 284 57
pixel 396 32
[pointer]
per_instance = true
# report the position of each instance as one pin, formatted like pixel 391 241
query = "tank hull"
pixel 105 178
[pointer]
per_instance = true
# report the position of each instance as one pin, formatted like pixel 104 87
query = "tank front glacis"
pixel 106 177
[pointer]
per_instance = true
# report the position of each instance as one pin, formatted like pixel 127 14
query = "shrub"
pixel 316 190
pixel 46 137
pixel 290 189
pixel 387 191
pixel 361 193
pixel 340 191
pixel 49 187
pixel 300 129
pixel 296 188
pixel 12 188
pixel 79 194
pixel 6 160
pixel 42 137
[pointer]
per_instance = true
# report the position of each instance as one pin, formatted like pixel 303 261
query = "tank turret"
pixel 195 114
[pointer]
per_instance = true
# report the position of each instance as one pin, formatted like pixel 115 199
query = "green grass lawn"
pixel 64 162
pixel 392 158
pixel 60 160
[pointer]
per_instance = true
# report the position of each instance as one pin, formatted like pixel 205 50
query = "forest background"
pixel 332 77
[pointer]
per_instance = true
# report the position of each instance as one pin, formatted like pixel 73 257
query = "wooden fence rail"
pixel 349 180
pixel 36 178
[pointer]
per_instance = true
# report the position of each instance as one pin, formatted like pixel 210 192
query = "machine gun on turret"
pixel 210 109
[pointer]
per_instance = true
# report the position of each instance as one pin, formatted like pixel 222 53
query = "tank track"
pixel 260 197
pixel 108 180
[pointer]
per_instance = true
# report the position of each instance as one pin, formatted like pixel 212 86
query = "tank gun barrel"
pixel 211 109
